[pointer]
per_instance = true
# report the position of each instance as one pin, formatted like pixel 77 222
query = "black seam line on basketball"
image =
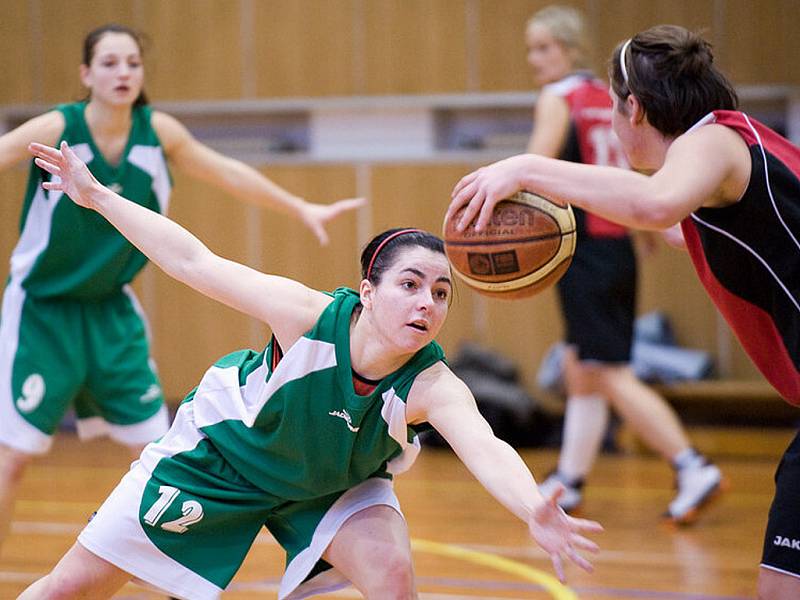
pixel 480 242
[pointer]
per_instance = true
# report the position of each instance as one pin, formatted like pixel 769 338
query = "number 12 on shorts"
pixel 191 509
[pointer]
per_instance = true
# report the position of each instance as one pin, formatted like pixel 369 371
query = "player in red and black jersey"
pixel 731 186
pixel 572 121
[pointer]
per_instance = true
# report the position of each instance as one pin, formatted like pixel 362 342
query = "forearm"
pixel 619 195
pixel 500 469
pixel 171 247
pixel 247 184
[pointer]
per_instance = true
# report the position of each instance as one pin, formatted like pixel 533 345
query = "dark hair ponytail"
pixel 95 35
pixel 671 72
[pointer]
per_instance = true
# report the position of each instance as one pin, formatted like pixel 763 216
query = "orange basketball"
pixel 526 248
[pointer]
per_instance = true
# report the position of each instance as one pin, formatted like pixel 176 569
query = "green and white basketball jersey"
pixel 72 252
pixel 296 428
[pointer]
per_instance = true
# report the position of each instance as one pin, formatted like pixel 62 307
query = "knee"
pixel 12 465
pixel 773 585
pixel 49 587
pixel 393 577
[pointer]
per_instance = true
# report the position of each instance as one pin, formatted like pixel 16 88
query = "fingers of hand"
pixel 322 235
pixel 462 183
pixel 45 152
pixel 578 559
pixel 585 543
pixel 585 525
pixel 558 567
pixel 47 166
pixel 471 209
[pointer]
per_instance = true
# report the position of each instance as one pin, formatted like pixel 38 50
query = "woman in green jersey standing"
pixel 301 438
pixel 71 331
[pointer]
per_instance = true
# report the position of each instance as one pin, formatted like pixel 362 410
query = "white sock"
pixel 585 422
pixel 688 459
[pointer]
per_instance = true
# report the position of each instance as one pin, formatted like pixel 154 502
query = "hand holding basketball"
pixel 479 191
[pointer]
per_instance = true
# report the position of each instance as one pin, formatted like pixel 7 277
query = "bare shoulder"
pixel 724 157
pixel 435 386
pixel 714 137
pixel 549 102
pixel 169 130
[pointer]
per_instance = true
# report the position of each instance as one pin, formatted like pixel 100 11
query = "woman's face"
pixel 409 305
pixel 548 58
pixel 116 73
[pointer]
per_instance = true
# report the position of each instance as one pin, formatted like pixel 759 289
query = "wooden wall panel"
pixel 415 46
pixel 63 25
pixel 196 50
pixel 17 54
pixel 761 44
pixel 305 48
pixel 288 248
pixel 502 64
pixel 13 185
pixel 617 21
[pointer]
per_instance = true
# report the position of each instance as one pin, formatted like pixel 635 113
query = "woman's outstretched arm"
pixel 287 306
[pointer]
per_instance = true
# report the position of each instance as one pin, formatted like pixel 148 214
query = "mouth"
pixel 420 326
pixel 122 88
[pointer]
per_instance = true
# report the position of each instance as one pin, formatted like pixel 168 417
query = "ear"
pixel 635 111
pixel 366 291
pixel 83 71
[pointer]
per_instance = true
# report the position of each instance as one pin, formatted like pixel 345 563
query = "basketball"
pixel 525 249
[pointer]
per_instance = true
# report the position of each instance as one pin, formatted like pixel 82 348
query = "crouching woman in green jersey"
pixel 302 438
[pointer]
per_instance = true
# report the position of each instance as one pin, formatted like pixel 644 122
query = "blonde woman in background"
pixel 572 121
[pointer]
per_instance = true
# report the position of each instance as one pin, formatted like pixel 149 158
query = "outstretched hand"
pixel 481 190
pixel 70 173
pixel 558 534
pixel 316 216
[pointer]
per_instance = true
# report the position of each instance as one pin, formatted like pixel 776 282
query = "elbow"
pixel 656 213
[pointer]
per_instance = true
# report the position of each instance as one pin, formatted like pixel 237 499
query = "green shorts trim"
pixel 167 520
pixel 93 355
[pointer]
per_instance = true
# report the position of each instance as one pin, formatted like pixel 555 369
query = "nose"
pixel 426 300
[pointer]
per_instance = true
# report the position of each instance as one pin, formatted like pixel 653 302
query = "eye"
pixel 409 284
pixel 442 294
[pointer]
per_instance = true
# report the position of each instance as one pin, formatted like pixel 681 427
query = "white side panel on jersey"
pixel 394 413
pixel 35 234
pixel 219 396
pixel 151 160
pixel 183 436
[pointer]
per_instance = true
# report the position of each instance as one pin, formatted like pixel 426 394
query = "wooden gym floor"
pixel 467 546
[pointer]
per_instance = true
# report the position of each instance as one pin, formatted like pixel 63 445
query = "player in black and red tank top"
pixel 598 292
pixel 731 185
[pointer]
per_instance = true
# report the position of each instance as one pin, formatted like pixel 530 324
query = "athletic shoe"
pixel 697 486
pixel 570 499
